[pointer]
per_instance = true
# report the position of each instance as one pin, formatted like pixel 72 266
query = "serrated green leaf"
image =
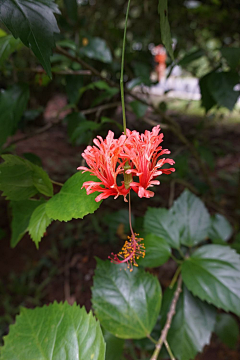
pixel 164 26
pixel 220 229
pixel 7 46
pixel 16 182
pixel 227 330
pixel 20 179
pixel 161 223
pixel 13 103
pixel 42 181
pixel 191 217
pixel 21 214
pixel 157 251
pixel 54 332
pixel 114 346
pixel 213 274
pixel 34 23
pixel 126 303
pixel 97 49
pixel 38 223
pixel 72 202
pixel 192 324
pixel 138 108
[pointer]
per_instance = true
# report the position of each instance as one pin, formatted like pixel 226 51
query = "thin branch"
pixel 54 123
pixel 169 350
pixel 100 108
pixel 28 136
pixel 77 59
pixel 58 72
pixel 170 315
pixel 56 183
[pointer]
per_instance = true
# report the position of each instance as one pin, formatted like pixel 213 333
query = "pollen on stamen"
pixel 131 251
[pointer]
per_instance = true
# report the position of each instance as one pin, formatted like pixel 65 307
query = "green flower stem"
pixel 169 350
pixel 174 279
pixel 56 182
pixel 122 70
pixel 152 339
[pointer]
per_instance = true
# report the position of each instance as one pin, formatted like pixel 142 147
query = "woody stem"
pixel 122 69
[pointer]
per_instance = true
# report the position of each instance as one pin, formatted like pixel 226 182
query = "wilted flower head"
pixel 132 154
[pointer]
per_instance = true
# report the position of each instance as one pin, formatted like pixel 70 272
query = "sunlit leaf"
pixel 21 215
pixel 72 202
pixel 38 223
pixel 54 332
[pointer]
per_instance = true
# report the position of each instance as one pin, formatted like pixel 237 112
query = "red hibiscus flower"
pixel 132 154
pixel 143 152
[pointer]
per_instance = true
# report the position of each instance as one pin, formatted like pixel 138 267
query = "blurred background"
pixel 194 98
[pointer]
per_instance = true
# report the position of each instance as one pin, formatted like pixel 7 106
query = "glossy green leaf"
pixel 97 49
pixel 192 324
pixel 126 303
pixel 54 332
pixel 227 330
pixel 41 181
pixel 220 229
pixel 161 223
pixel 38 223
pixel 164 26
pixel 21 179
pixel 157 251
pixel 34 23
pixel 213 274
pixel 192 218
pixel 21 215
pixel 221 86
pixel 114 346
pixel 232 55
pixel 72 202
pixel 138 108
pixel 16 182
pixel 13 103
pixel 7 46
